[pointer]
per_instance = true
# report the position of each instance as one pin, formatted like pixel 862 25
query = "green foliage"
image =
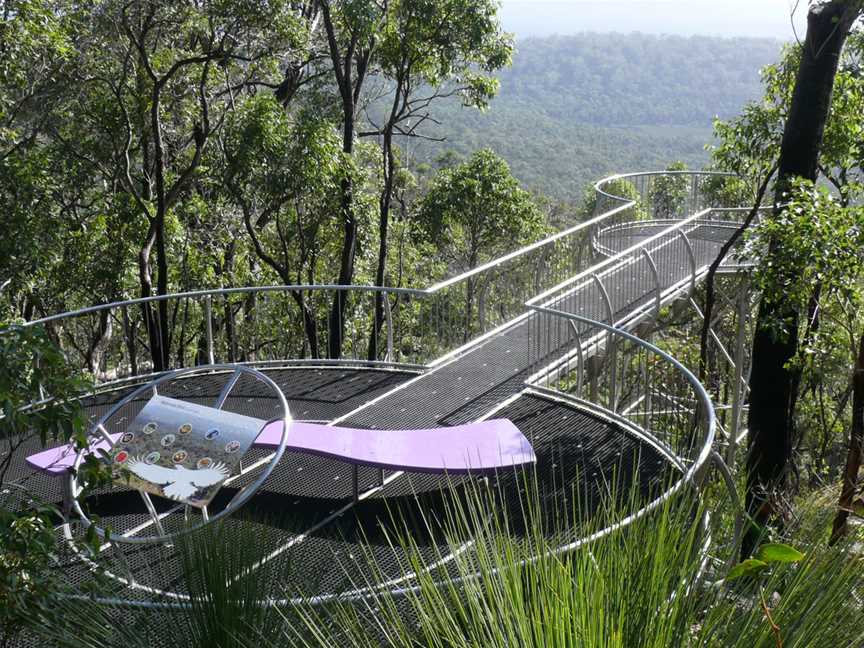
pixel 819 274
pixel 573 109
pixel 822 243
pixel 777 552
pixel 810 252
pixel 767 554
pixel 668 193
pixel 457 42
pixel 506 584
pixel 476 211
pixel 27 559
pixel 636 587
pixel 225 585
pixel 34 38
pixel 750 143
pixel 283 174
pixel 32 369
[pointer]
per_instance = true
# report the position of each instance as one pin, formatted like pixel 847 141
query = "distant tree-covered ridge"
pixel 574 108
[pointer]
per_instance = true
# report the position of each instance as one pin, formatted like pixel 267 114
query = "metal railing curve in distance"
pixel 417 325
pixel 616 373
pixel 257 325
pixel 660 195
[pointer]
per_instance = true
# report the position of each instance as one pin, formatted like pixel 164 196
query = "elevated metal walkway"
pixel 538 336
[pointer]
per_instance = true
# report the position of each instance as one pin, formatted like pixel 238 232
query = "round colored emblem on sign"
pixel 212 434
pixel 232 446
pixel 167 440
pixel 121 457
pixel 180 456
pixel 152 457
pixel 186 428
pixel 204 462
pixel 150 428
pixel 126 438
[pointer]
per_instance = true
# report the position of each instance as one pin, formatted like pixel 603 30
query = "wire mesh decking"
pixel 604 408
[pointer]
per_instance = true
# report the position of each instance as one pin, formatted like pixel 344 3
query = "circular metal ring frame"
pixel 241 498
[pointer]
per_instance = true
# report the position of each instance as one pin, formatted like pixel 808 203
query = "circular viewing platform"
pixel 615 423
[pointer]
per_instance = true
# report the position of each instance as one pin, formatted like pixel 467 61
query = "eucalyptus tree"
pixel 772 380
pixel 148 89
pixel 352 29
pixel 824 238
pixel 283 171
pixel 423 51
pixel 35 45
pixel 474 212
pixel 668 193
pixel 429 51
pixel 749 144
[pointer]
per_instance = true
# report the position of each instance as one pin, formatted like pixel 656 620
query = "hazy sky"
pixel 769 18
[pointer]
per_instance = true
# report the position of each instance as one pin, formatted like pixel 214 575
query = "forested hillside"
pixel 636 422
pixel 572 109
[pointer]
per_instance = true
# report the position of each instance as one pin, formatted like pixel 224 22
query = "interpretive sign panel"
pixel 182 451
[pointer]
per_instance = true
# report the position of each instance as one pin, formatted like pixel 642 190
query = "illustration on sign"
pixel 182 451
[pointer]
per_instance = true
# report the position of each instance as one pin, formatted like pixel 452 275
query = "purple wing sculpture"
pixel 56 461
pixel 474 447
pixel 486 445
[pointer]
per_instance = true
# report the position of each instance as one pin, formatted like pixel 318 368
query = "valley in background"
pixel 572 109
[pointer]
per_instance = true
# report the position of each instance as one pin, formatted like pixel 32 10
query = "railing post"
pixel 692 256
pixel 355 483
pixel 580 355
pixel 208 317
pixel 389 318
pixel 656 274
pixel 611 346
pixel 738 391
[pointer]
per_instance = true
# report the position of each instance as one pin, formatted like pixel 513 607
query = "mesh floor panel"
pixel 305 511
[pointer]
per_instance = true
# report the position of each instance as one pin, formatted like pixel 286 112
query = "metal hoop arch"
pixel 241 498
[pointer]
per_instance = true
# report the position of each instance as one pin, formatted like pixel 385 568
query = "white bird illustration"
pixel 178 483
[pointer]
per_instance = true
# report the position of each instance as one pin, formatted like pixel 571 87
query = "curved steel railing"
pixel 577 350
pixel 617 374
pixel 120 339
pixel 677 421
pixel 117 340
pixel 662 194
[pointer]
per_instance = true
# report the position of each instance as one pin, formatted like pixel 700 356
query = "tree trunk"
pixel 349 68
pixel 467 332
pixel 145 278
pixel 99 342
pixel 349 249
pixel 309 324
pixel 856 447
pixel 769 451
pixel 383 224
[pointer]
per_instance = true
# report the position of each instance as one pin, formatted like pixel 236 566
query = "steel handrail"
pixel 643 174
pixel 617 257
pixel 224 291
pixel 418 292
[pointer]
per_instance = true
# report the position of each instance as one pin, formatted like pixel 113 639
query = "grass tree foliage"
pixel 505 583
